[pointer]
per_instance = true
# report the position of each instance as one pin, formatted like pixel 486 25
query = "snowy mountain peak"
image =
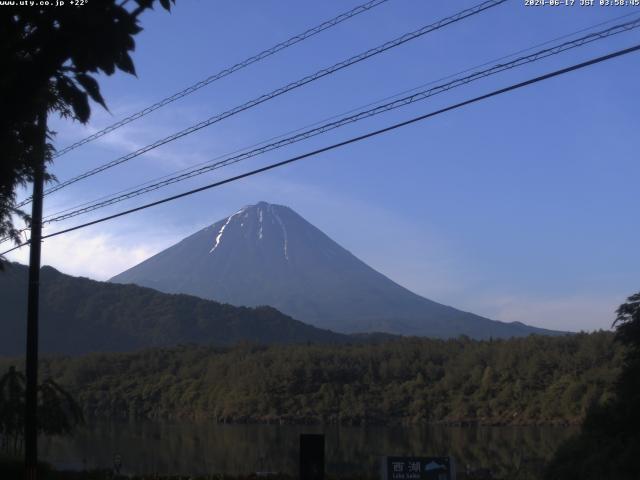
pixel 267 254
pixel 256 221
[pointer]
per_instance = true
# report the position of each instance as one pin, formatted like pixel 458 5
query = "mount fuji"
pixel 267 254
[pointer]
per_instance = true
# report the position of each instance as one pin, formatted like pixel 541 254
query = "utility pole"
pixel 31 421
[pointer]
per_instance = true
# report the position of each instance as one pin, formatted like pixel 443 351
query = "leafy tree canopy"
pixel 58 412
pixel 532 380
pixel 49 58
pixel 609 444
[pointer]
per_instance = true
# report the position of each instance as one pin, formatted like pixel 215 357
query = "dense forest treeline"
pixel 533 380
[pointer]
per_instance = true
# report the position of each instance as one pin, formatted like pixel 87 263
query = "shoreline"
pixel 461 423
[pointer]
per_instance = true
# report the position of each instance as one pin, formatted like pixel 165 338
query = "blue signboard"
pixel 419 468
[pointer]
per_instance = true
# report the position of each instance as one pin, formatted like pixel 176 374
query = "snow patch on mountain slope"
pixel 219 236
pixel 284 232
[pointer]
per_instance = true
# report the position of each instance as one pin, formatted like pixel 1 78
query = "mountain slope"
pixel 79 315
pixel 269 255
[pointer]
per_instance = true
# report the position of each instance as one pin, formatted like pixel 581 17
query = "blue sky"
pixel 521 207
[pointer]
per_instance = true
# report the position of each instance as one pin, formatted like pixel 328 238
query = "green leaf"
pixel 74 97
pixel 125 64
pixel 92 88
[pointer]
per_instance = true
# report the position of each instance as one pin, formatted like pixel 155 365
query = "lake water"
pixel 203 448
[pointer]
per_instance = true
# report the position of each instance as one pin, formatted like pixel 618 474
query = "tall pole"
pixel 31 421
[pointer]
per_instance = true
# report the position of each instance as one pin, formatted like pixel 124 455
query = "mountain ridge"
pixel 79 315
pixel 266 254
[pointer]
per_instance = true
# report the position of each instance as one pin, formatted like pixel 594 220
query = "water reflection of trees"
pixel 197 448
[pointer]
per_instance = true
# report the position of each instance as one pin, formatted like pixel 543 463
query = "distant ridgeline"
pixel 78 315
pixel 534 380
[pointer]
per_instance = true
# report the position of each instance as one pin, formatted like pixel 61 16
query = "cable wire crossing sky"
pixel 282 90
pixel 227 71
pixel 416 96
pixel 346 142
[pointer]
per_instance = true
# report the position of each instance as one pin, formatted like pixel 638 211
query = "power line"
pixel 225 72
pixel 192 171
pixel 333 117
pixel 275 93
pixel 415 97
pixel 395 126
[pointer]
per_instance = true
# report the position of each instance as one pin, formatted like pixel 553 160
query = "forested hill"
pixel 518 381
pixel 79 315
